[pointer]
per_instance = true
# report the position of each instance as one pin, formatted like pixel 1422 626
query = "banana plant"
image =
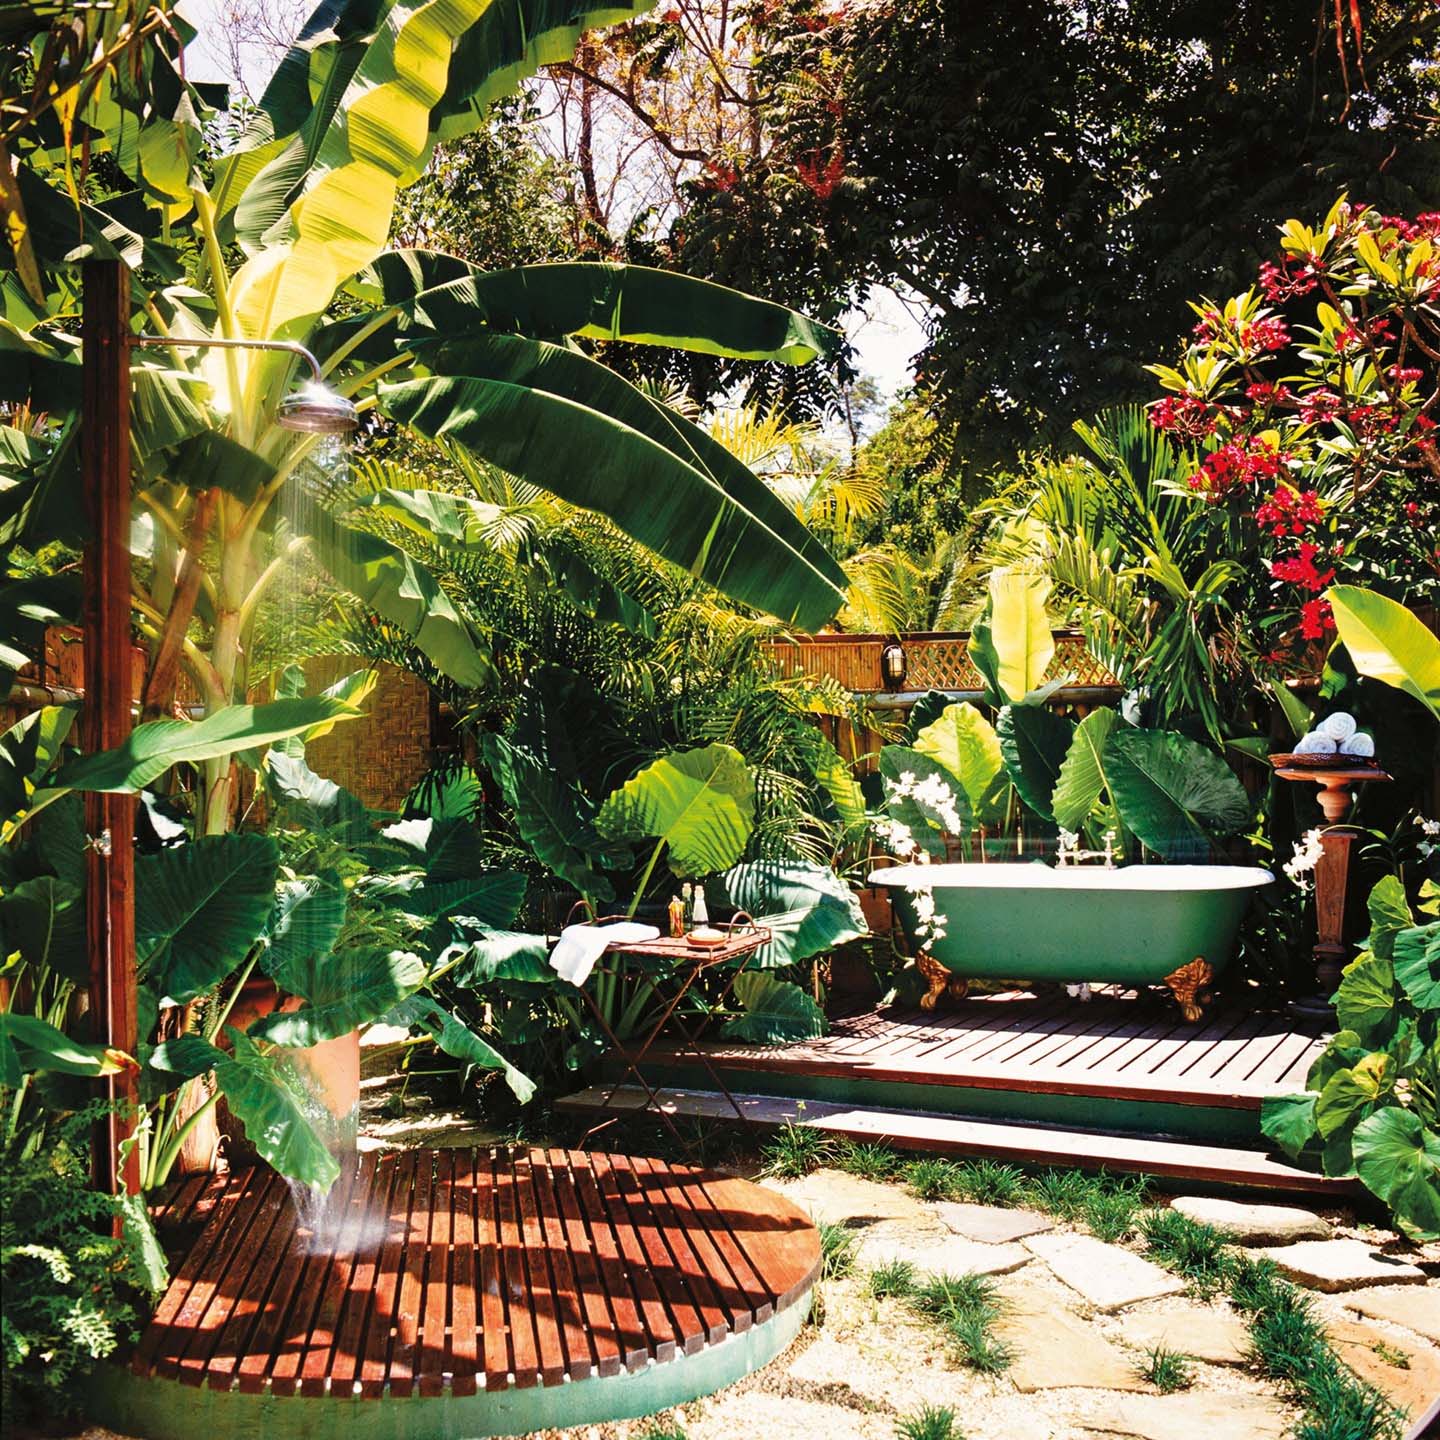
pixel 489 362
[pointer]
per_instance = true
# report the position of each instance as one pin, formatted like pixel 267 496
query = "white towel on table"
pixel 580 946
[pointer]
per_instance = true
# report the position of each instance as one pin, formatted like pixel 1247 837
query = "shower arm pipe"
pixel 290 347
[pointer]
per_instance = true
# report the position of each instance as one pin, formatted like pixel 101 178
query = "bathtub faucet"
pixel 1069 852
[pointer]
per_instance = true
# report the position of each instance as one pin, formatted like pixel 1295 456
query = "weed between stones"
pixel 1166 1370
pixel 934 1422
pixel 965 1307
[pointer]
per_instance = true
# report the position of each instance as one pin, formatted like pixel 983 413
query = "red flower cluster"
pixel 1240 462
pixel 1268 334
pixel 1405 375
pixel 1186 415
pixel 1302 570
pixel 822 181
pixel 1287 280
pixel 1320 406
pixel 1289 511
pixel 1315 619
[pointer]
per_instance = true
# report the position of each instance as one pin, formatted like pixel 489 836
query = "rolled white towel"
pixel 580 946
pixel 1359 744
pixel 1339 727
pixel 1315 744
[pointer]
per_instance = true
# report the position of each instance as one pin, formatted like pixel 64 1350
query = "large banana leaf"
pixel 150 750
pixel 460 1042
pixel 808 909
pixel 600 301
pixel 554 819
pixel 962 740
pixel 344 992
pixel 559 419
pixel 402 591
pixel 27 751
pixel 1081 781
pixel 1020 630
pixel 1173 793
pixel 777 1012
pixel 700 803
pixel 372 130
pixel 1388 642
pixel 199 908
pixel 1034 742
pixel 29 1044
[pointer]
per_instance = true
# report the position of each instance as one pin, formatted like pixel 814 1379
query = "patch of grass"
pixel 1061 1193
pixel 661 1432
pixel 1255 1283
pixel 837 1250
pixel 1195 1251
pixel 979 1347
pixel 867 1159
pixel 1167 1371
pixel 1111 1213
pixel 934 1422
pixel 934 1179
pixel 943 1295
pixel 965 1306
pixel 794 1151
pixel 1340 1407
pixel 987 1182
pixel 895 1279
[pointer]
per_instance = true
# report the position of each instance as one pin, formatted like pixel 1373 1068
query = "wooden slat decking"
pixel 1119 1046
pixel 466 1270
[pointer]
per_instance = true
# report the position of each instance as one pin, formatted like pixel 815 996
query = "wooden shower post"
pixel 106 717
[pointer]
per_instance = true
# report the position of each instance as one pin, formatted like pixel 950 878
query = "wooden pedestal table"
pixel 679 961
pixel 1332 873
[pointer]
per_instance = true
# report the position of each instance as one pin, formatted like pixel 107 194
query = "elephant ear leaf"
pixel 1034 742
pixel 923 800
pixel 1174 794
pixel 457 1040
pixel 347 991
pixel 700 803
pixel 777 1012
pixel 962 740
pixel 1081 781
pixel 303 928
pixel 808 909
pixel 1019 635
pixel 1417 965
pixel 1289 1120
pixel 1389 915
pixel 199 908
pixel 1388 642
pixel 1398 1158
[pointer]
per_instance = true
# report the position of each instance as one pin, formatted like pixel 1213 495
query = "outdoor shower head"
pixel 315 409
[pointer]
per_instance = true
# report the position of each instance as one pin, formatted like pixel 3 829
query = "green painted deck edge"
pixel 164 1409
pixel 1082 1112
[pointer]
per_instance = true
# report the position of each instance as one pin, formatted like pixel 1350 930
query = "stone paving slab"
pixel 1204 1332
pixel 1107 1276
pixel 837 1198
pixel 1406 1372
pixel 1416 1307
pixel 1054 1349
pixel 1190 1417
pixel 1337 1265
pixel 992 1224
pixel 1253 1224
pixel 936 1252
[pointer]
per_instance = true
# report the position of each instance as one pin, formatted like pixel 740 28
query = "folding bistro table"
pixel 678 960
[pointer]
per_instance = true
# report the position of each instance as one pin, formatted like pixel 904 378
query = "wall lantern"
pixel 892 665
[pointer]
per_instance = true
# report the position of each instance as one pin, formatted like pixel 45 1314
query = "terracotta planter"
pixel 875 906
pixel 328 1073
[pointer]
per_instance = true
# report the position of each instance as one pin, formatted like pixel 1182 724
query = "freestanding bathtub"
pixel 1137 925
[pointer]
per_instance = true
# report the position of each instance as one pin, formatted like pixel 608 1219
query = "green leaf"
pixel 1173 793
pixel 29 1045
pixel 1344 1049
pixel 965 743
pixel 272 1111
pixel 777 1012
pixel 152 749
pixel 700 803
pixel 1417 965
pixel 808 909
pixel 1398 1158
pixel 346 991
pixel 491 899
pixel 597 300
pixel 561 420
pixel 1389 914
pixel 448 849
pixel 457 1040
pixel 1081 781
pixel 499 955
pixel 1388 642
pixel 926 821
pixel 1019 631
pixel 1034 742
pixel 385 579
pixel 1350 1095
pixel 44 919
pixel 303 928
pixel 27 751
pixel 1289 1120
pixel 1365 1001
pixel 835 777
pixel 199 908
pixel 187 1056
pixel 148 1267
pixel 552 815
pixel 306 799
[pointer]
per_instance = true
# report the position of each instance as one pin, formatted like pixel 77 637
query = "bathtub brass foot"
pixel 936 977
pixel 1190 985
pixel 958 988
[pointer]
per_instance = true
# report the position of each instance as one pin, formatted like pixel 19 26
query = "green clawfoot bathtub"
pixel 1138 925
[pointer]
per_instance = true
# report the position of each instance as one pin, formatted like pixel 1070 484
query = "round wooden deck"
pixel 460 1292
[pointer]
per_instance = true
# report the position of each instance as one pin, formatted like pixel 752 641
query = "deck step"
pixel 1023 1143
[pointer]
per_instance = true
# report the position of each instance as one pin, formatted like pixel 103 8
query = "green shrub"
pixel 988 1182
pixel 70 1293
